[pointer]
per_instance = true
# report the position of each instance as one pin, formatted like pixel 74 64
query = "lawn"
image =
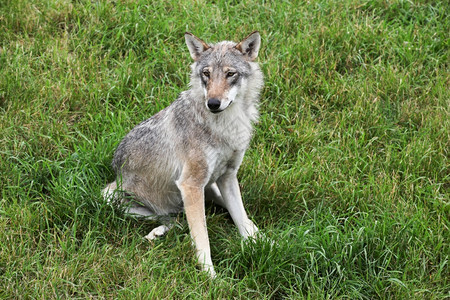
pixel 347 175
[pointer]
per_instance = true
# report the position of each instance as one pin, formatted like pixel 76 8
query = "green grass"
pixel 348 170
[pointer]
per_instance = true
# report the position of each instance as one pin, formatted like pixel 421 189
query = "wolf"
pixel 194 147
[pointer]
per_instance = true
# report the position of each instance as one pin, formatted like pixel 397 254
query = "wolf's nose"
pixel 213 104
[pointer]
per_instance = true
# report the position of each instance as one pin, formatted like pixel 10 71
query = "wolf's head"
pixel 224 68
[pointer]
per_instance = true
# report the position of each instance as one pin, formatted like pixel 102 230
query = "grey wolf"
pixel 195 146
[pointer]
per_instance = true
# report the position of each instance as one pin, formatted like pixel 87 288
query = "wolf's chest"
pixel 224 161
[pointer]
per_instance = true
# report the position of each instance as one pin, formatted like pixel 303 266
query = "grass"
pixel 348 170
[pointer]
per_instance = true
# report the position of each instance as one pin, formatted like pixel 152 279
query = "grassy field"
pixel 348 170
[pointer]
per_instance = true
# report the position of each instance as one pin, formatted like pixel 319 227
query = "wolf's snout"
pixel 213 104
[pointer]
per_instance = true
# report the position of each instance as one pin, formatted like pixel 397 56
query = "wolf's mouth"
pixel 219 111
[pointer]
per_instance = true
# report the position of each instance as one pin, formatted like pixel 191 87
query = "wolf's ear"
pixel 250 45
pixel 196 46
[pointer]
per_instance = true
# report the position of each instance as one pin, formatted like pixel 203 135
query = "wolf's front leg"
pixel 194 206
pixel 229 188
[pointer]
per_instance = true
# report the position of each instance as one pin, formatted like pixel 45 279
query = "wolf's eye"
pixel 206 74
pixel 230 74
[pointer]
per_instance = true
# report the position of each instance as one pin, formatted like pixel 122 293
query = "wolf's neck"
pixel 234 126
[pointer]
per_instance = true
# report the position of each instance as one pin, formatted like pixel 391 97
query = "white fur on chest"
pixel 221 161
pixel 234 128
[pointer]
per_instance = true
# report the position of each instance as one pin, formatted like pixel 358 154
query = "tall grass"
pixel 347 175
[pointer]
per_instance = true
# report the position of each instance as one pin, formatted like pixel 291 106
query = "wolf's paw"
pixel 157 232
pixel 209 269
pixel 250 230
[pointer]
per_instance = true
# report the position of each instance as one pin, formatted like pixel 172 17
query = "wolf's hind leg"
pixel 134 209
pixel 111 194
pixel 137 210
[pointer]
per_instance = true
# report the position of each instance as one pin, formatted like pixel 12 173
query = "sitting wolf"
pixel 195 145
